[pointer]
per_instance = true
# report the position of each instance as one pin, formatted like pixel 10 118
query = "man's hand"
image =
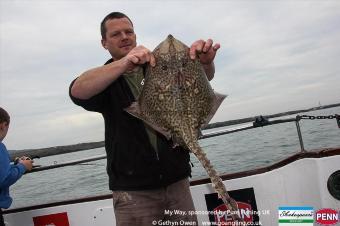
pixel 27 162
pixel 138 56
pixel 205 50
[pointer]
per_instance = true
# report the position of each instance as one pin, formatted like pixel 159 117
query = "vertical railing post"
pixel 299 133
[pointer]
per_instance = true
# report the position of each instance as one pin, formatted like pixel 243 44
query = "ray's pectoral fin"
pixel 135 111
pixel 217 102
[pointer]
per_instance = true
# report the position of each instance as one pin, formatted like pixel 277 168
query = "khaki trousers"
pixel 155 207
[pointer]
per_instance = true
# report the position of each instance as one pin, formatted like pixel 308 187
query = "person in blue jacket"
pixel 9 173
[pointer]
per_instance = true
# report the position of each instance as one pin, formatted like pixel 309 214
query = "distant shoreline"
pixel 251 119
pixel 42 152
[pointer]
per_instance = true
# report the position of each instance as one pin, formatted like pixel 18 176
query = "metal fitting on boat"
pixel 333 184
pixel 337 118
pixel 260 121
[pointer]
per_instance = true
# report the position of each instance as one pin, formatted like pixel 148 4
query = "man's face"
pixel 120 37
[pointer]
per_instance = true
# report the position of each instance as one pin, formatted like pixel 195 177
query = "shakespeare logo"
pixel 293 215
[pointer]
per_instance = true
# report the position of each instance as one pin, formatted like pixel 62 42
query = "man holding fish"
pixel 148 174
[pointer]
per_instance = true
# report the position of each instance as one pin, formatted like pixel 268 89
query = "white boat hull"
pixel 301 182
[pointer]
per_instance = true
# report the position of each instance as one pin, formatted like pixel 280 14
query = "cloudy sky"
pixel 275 56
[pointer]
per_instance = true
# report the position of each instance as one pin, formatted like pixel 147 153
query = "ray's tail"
pixel 216 181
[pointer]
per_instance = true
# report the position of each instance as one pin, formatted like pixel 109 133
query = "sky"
pixel 275 56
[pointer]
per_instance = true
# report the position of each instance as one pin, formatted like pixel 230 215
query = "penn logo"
pixel 327 216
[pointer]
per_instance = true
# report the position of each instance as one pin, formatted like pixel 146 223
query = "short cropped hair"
pixel 4 116
pixel 113 15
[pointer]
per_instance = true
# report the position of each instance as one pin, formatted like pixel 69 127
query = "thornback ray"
pixel 177 100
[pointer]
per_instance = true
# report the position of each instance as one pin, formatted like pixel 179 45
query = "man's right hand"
pixel 138 56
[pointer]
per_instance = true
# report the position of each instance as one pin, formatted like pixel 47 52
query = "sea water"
pixel 229 153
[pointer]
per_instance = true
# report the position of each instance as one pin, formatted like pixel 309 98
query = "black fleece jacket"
pixel 132 162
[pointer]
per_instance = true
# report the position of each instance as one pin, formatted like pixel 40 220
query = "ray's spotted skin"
pixel 177 100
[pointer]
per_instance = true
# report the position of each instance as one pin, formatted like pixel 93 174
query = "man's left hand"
pixel 204 50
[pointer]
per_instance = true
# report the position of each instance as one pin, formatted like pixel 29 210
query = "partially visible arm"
pixel 206 52
pixel 9 174
pixel 14 174
pixel 209 70
pixel 96 80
